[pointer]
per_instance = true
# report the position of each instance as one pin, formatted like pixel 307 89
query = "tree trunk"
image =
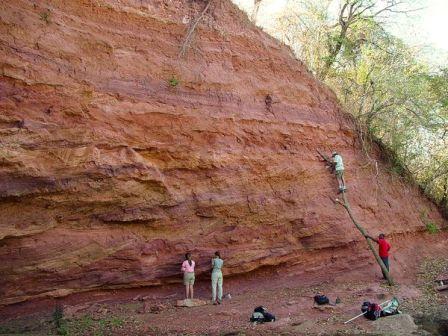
pixel 253 17
pixel 333 53
pixel 346 205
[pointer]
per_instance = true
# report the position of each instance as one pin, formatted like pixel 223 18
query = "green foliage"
pixel 432 228
pixel 85 322
pixel 58 319
pixel 438 86
pixel 397 99
pixel 87 326
pixel 45 16
pixel 173 81
pixel 116 322
pixel 62 329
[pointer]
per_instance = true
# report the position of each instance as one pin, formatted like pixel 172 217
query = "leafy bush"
pixel 432 228
pixel 173 81
pixel 395 96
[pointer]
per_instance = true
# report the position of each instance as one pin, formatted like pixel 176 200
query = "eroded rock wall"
pixel 117 156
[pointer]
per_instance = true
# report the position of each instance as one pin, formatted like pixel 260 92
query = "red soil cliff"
pixel 117 156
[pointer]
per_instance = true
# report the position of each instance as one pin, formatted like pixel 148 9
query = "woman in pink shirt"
pixel 188 269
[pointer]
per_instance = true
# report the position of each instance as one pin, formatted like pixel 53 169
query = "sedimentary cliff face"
pixel 117 156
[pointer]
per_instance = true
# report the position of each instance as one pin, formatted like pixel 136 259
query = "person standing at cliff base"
pixel 217 279
pixel 188 269
pixel 383 250
pixel 339 171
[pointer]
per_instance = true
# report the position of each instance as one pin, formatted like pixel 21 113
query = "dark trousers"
pixel 386 263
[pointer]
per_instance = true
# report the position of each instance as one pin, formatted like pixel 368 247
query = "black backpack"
pixel 261 315
pixel 365 306
pixel 372 310
pixel 260 309
pixel 321 299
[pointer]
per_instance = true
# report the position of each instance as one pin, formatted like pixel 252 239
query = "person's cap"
pixel 334 153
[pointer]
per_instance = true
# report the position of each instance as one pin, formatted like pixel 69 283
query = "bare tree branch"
pixel 189 36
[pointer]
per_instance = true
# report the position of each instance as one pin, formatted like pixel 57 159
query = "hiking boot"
pixel 219 301
pixel 215 303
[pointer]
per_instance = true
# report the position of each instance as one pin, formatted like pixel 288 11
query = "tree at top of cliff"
pixel 397 99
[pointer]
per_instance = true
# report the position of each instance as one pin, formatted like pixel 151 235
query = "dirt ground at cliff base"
pixel 152 311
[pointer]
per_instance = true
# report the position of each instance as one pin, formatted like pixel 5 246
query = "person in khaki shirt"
pixel 217 279
pixel 339 171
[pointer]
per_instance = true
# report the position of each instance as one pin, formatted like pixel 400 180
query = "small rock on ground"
pixel 396 325
pixel 190 303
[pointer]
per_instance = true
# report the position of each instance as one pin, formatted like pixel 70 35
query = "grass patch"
pixel 85 322
pixel 432 228
pixel 88 326
pixel 174 82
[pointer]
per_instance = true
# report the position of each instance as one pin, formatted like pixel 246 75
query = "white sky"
pixel 428 26
pixel 435 23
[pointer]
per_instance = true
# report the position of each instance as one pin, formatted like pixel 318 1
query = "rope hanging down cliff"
pixel 346 206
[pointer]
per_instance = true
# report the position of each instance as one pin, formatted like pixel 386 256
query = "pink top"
pixel 186 266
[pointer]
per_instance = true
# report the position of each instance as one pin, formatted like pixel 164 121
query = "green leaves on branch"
pixel 396 98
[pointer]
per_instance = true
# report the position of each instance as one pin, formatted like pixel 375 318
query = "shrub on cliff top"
pixel 396 97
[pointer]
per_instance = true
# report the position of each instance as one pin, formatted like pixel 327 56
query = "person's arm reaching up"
pixel 370 237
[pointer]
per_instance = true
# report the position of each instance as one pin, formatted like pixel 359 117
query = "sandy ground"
pixel 152 311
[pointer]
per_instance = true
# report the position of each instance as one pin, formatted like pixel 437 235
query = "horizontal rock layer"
pixel 118 154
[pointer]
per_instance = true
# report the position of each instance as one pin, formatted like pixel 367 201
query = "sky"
pixel 427 27
pixel 435 24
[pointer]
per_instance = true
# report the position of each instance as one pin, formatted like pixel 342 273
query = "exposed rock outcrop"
pixel 116 156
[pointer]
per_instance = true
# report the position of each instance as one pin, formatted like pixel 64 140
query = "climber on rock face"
pixel 339 171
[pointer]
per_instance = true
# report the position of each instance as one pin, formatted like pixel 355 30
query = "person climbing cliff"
pixel 339 171
pixel 383 249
